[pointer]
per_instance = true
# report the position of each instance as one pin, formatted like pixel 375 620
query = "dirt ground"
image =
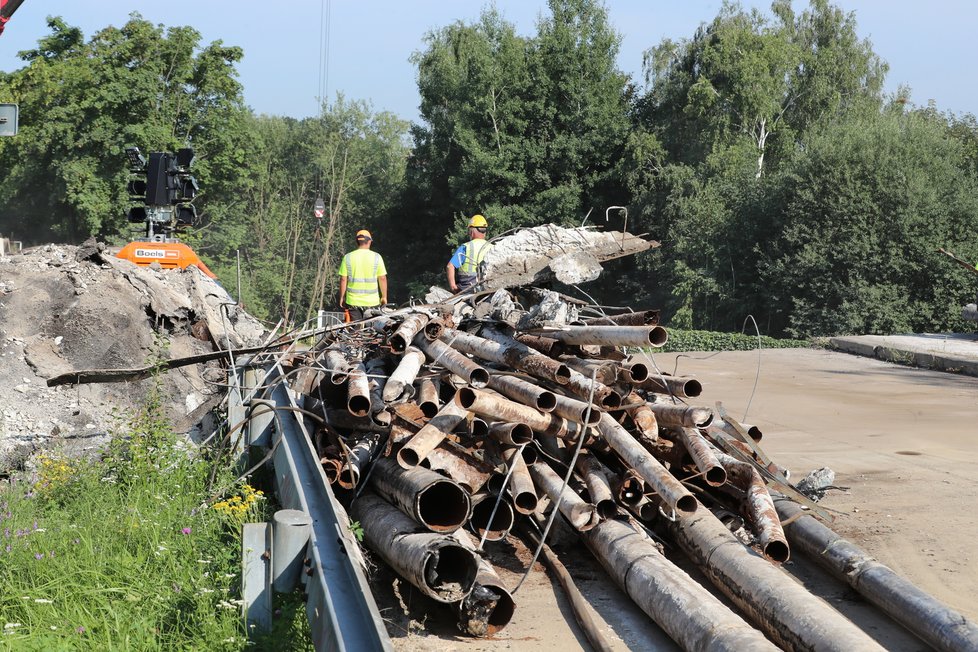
pixel 902 440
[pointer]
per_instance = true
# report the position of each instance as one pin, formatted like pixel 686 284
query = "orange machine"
pixel 165 188
pixel 169 255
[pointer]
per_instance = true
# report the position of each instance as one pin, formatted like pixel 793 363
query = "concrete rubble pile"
pixel 443 426
pixel 64 308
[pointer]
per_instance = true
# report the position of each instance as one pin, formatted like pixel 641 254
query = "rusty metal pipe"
pixel 482 510
pixel 338 366
pixel 431 499
pixel 377 381
pixel 360 455
pixel 521 357
pixel 630 488
pixel 926 617
pixel 643 417
pixel 644 510
pixel 575 410
pixel 405 333
pixel 453 460
pixel 400 385
pixel 604 371
pixel 514 434
pixel 605 396
pixel 703 457
pixel 634 372
pixel 521 488
pixel 436 564
pixel 502 409
pixel 681 415
pixel 439 352
pixel 686 611
pixel 610 335
pixel 782 608
pixel 434 328
pixel 672 492
pixel 490 605
pixel 433 432
pixel 679 386
pixel 758 507
pixel 428 399
pixel 596 477
pixel 544 345
pixel 582 516
pixel 523 392
pixel 358 392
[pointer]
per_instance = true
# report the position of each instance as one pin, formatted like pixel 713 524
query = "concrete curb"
pixel 876 347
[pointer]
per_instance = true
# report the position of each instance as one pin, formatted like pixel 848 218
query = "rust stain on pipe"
pixel 703 457
pixel 611 335
pixel 458 364
pixel 358 392
pixel 758 507
pixel 404 335
pixel 426 439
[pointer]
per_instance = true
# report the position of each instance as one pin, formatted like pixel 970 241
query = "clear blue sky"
pixel 930 46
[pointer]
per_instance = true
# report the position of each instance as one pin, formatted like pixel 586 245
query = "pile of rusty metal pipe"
pixel 439 433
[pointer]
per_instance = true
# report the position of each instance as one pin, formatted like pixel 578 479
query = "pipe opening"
pixel 479 378
pixel 433 330
pixel 465 397
pixel 777 551
pixel 408 458
pixel 525 502
pixel 686 505
pixel 451 568
pixel 501 523
pixel 592 419
pixel 530 455
pixel 631 492
pixel 398 343
pixel 358 406
pixel 348 478
pixel 428 408
pixel 692 388
pixel 546 401
pixel 638 372
pixel 611 402
pixel 716 476
pixel 443 506
pixel 562 374
pixel 606 509
pixel 658 336
pixel 479 428
pixel 338 378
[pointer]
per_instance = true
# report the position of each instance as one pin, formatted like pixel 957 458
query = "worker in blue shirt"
pixel 463 268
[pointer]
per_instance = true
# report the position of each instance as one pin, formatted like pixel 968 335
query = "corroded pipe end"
pixel 716 476
pixel 478 378
pixel 777 551
pixel 358 406
pixel 692 388
pixel 501 522
pixel 443 506
pixel 658 336
pixel 686 505
pixel 408 458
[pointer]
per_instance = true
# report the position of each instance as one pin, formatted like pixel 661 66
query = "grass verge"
pixel 132 550
pixel 681 341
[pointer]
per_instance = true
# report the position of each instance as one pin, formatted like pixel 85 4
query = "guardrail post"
pixel 256 576
pixel 290 535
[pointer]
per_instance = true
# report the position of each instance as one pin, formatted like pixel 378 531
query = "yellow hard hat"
pixel 363 234
pixel 478 222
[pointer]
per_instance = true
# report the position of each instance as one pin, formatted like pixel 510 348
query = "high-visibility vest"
pixel 473 254
pixel 362 268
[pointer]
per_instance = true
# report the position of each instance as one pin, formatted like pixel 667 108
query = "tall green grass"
pixel 135 549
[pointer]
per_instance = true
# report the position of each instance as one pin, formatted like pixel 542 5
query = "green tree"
pixel 82 103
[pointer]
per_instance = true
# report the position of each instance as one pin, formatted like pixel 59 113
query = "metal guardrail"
pixel 340 607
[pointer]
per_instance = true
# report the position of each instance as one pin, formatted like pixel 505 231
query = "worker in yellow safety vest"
pixel 361 273
pixel 468 258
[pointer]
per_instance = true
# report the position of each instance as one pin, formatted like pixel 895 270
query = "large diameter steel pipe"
pixel 492 516
pixel 681 415
pixel 524 392
pixel 400 385
pixel 669 489
pixel 490 606
pixel 502 409
pixel 642 416
pixel 775 603
pixel 431 499
pixel 928 618
pixel 686 611
pixel 758 507
pixel 358 392
pixel 581 515
pixel 432 434
pixel 514 434
pixel 703 457
pixel 611 335
pixel 439 352
pixel 436 564
pixel 405 333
